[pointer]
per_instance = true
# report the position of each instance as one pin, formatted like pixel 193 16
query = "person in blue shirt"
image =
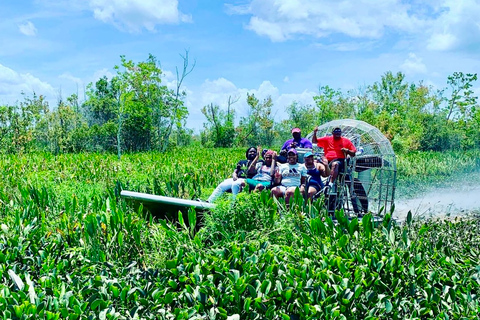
pixel 297 141
pixel 317 170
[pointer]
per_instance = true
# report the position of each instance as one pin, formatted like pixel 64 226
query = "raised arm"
pixel 252 166
pixel 314 138
pixel 277 177
pixel 274 163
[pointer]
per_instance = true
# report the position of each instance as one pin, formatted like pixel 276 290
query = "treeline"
pixel 412 116
pixel 132 111
pixel 135 111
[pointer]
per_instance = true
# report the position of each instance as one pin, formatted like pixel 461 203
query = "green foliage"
pixel 70 248
pixel 332 104
pixel 299 116
pixel 18 124
pixel 135 111
pixel 257 127
pixel 220 127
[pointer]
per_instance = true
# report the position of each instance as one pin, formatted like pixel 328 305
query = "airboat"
pixel 366 186
pixel 369 180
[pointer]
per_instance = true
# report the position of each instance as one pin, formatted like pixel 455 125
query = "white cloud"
pixel 413 65
pixel 102 73
pixel 348 46
pixel 28 29
pixel 281 20
pixel 435 25
pixel 441 42
pixel 133 15
pixel 12 84
pixel 456 27
pixel 68 76
pixel 267 28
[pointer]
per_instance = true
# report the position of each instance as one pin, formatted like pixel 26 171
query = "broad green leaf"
pixel 388 306
pixel 192 219
pixel 409 217
pixel 391 236
pixel 246 304
pixel 288 294
pixel 181 221
pixel 278 286
pixel 353 226
pixel 423 229
pixel 342 242
pixel 173 284
pixel 266 285
pixel 120 238
pixel 367 225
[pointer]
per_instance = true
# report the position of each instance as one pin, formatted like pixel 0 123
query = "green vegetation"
pixel 422 171
pixel 135 111
pixel 70 248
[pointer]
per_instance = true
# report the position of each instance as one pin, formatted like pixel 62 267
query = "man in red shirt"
pixel 336 149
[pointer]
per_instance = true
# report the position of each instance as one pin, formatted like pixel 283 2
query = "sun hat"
pixel 268 153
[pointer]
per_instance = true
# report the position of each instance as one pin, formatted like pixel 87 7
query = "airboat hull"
pixel 165 207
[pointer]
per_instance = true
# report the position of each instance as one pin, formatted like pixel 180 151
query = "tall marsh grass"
pixel 70 248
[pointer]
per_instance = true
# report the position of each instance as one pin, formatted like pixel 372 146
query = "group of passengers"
pixel 282 173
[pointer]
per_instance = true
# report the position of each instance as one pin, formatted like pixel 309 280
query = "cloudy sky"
pixel 285 49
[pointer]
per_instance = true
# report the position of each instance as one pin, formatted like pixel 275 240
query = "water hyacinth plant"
pixel 71 248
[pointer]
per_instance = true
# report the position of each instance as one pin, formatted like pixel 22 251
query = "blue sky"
pixel 283 49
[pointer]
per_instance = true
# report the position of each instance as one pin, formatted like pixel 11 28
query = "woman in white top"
pixel 265 172
pixel 290 175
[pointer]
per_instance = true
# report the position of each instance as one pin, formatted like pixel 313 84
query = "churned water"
pixel 462 199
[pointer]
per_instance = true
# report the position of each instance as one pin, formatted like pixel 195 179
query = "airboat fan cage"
pixel 371 176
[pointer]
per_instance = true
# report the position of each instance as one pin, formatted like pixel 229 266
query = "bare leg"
pixel 277 192
pixel 289 193
pixel 334 171
pixel 259 187
pixel 311 192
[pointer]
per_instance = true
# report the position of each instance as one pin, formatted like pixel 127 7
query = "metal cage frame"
pixel 369 181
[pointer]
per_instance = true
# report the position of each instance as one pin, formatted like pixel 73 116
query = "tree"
pixel 257 127
pixel 462 99
pixel 148 110
pixel 135 109
pixel 18 123
pixel 178 111
pixel 299 116
pixel 63 130
pixel 332 104
pixel 101 113
pixel 220 127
